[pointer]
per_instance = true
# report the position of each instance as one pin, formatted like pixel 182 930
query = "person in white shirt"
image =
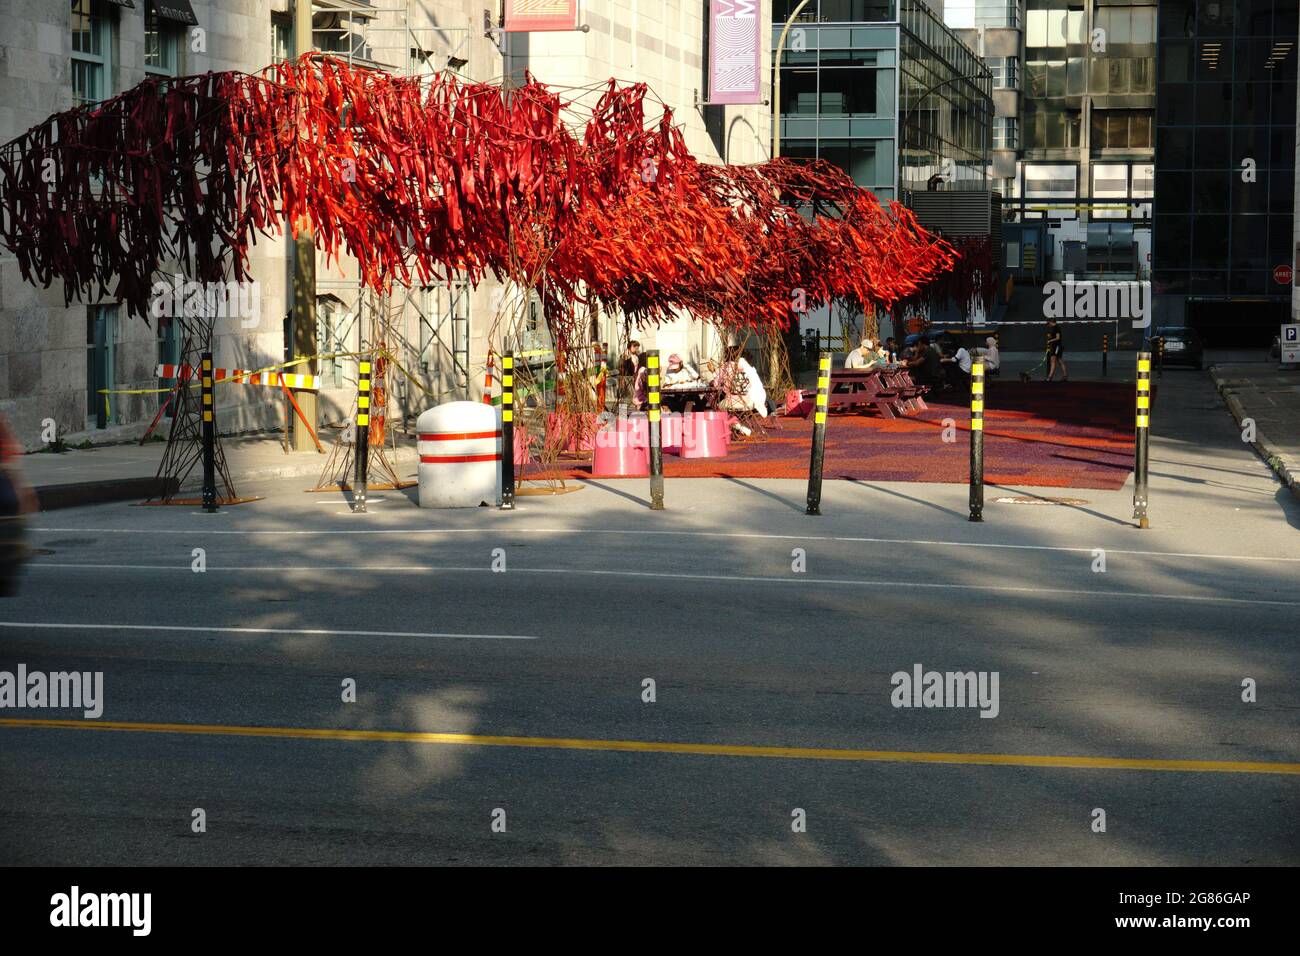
pixel 742 389
pixel 864 356
pixel 957 368
pixel 990 354
pixel 962 358
pixel 679 372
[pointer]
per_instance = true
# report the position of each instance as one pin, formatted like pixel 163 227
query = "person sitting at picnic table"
pixel 678 372
pixel 992 359
pixel 958 368
pixel 640 388
pixel 863 357
pixel 891 350
pixel 925 365
pixel 742 389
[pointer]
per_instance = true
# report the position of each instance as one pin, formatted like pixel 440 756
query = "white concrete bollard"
pixel 460 455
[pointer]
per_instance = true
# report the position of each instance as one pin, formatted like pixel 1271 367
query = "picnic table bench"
pixel 890 391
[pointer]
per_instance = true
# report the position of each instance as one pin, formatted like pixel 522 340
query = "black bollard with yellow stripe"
pixel 1142 429
pixel 1105 351
pixel 819 436
pixel 656 442
pixel 209 436
pixel 362 444
pixel 977 440
pixel 507 432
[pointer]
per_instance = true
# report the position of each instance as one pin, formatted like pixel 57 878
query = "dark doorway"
pixel 1237 323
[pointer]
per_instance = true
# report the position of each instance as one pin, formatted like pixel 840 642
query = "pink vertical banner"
pixel 735 51
pixel 524 16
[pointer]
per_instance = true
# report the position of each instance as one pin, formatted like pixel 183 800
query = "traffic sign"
pixel 1290 344
pixel 1282 275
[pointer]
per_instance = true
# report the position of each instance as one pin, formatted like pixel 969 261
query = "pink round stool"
pixel 616 456
pixel 704 437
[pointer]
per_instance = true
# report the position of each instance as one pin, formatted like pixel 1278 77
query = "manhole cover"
pixel 1032 500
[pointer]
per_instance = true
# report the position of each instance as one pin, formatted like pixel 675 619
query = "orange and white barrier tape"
pixel 241 377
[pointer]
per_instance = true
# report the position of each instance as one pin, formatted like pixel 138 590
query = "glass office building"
pixel 1225 166
pixel 853 72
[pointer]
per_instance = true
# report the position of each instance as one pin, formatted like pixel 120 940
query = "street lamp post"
pixel 776 81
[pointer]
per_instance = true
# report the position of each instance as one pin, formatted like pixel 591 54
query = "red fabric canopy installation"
pixel 423 178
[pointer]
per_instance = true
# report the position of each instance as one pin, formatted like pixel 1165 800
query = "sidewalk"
pixel 120 472
pixel 1271 397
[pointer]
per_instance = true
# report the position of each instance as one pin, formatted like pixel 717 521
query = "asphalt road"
pixel 521 679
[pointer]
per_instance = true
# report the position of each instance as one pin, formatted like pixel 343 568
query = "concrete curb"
pixel 1287 471
pixel 78 493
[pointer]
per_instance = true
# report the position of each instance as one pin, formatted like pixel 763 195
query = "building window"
pixel 162 43
pixel 101 362
pixel 969 14
pixel 281 38
pixel 1006 72
pixel 334 326
pixel 169 353
pixel 1006 133
pixel 91 49
pixel 444 325
pixel 1121 129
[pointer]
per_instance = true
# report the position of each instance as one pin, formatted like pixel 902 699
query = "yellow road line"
pixel 672 747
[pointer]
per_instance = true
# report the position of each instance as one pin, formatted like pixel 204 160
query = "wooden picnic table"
pixel 890 390
pixel 682 397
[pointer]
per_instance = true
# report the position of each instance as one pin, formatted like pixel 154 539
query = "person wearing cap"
pixel 678 372
pixel 864 356
pixel 992 360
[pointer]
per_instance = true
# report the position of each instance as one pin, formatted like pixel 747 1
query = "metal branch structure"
pixel 574 194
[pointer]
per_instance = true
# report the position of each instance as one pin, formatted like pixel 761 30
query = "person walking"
pixel 1056 352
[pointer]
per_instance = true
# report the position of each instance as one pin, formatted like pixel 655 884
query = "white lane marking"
pixel 693 534
pixel 731 578
pixel 258 630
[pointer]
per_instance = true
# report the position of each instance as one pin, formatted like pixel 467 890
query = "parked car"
pixel 16 501
pixel 1182 345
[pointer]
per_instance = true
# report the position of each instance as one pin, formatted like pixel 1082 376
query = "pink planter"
pixel 670 431
pixel 521 447
pixel 719 416
pixel 704 435
pixel 580 432
pixel 620 458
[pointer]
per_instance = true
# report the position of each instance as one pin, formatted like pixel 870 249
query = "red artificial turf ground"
pixel 1052 435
